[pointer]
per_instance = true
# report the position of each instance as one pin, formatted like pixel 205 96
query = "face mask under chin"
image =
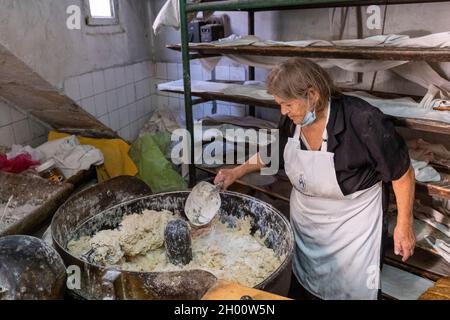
pixel 309 117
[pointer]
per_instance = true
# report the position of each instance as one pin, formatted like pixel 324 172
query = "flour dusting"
pixel 232 254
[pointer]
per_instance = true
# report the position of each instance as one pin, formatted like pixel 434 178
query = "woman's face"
pixel 295 109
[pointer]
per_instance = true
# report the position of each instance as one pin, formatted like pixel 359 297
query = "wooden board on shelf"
pixel 225 290
pixel 258 5
pixel 438 189
pixel 423 125
pixel 330 52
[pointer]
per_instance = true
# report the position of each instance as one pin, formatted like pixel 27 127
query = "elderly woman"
pixel 338 152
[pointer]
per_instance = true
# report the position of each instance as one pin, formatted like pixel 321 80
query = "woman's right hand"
pixel 227 176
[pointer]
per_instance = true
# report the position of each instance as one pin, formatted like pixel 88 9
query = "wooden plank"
pixel 442 108
pixel 423 125
pixel 224 290
pixel 23 88
pixel 440 291
pixel 328 52
pixel 266 5
pixel 438 189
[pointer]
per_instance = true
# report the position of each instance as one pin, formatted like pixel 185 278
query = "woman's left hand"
pixel 404 241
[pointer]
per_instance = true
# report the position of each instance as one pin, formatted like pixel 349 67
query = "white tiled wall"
pixel 17 128
pixel 175 103
pixel 123 98
pixel 119 97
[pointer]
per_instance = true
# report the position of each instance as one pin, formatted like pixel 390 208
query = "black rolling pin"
pixel 177 238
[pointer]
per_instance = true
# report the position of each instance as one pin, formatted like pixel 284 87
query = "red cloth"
pixel 18 164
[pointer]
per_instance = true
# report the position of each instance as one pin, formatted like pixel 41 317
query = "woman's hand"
pixel 404 241
pixel 227 176
pixel 404 238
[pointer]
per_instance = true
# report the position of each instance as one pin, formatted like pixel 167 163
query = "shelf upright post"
pixel 187 89
pixel 251 70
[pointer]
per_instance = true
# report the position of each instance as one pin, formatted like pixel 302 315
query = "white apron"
pixel 338 238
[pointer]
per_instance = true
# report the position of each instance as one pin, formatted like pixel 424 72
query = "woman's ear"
pixel 314 96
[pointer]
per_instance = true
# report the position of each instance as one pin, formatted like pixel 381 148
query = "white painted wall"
pixel 37 33
pixel 106 70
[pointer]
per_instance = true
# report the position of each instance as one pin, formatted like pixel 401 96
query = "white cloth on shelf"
pixel 424 172
pixel 70 156
pixel 360 65
pixel 435 40
pixel 251 91
pixel 434 98
pixel 421 73
pixel 169 15
pixel 441 247
pixel 378 40
pixel 418 72
pixel 162 120
pixel 401 107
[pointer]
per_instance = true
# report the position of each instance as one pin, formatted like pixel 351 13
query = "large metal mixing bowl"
pixel 99 282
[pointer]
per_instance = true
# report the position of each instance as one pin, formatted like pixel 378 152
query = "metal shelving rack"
pixel 376 53
pixel 252 6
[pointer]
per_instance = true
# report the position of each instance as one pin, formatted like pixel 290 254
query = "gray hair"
pixel 293 78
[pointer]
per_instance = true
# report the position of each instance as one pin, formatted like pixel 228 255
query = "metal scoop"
pixel 203 203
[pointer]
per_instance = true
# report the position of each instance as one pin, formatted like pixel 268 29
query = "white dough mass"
pixel 231 254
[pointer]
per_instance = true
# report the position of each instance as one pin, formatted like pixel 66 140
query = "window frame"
pixel 98 21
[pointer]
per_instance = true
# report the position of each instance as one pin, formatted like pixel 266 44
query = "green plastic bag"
pixel 148 153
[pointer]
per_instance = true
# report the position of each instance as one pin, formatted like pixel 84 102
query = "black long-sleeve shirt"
pixel 367 148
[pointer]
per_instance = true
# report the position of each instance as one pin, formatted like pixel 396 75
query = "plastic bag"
pixel 148 153
pixel 17 164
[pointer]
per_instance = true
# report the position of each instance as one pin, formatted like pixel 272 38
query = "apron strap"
pixel 325 131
